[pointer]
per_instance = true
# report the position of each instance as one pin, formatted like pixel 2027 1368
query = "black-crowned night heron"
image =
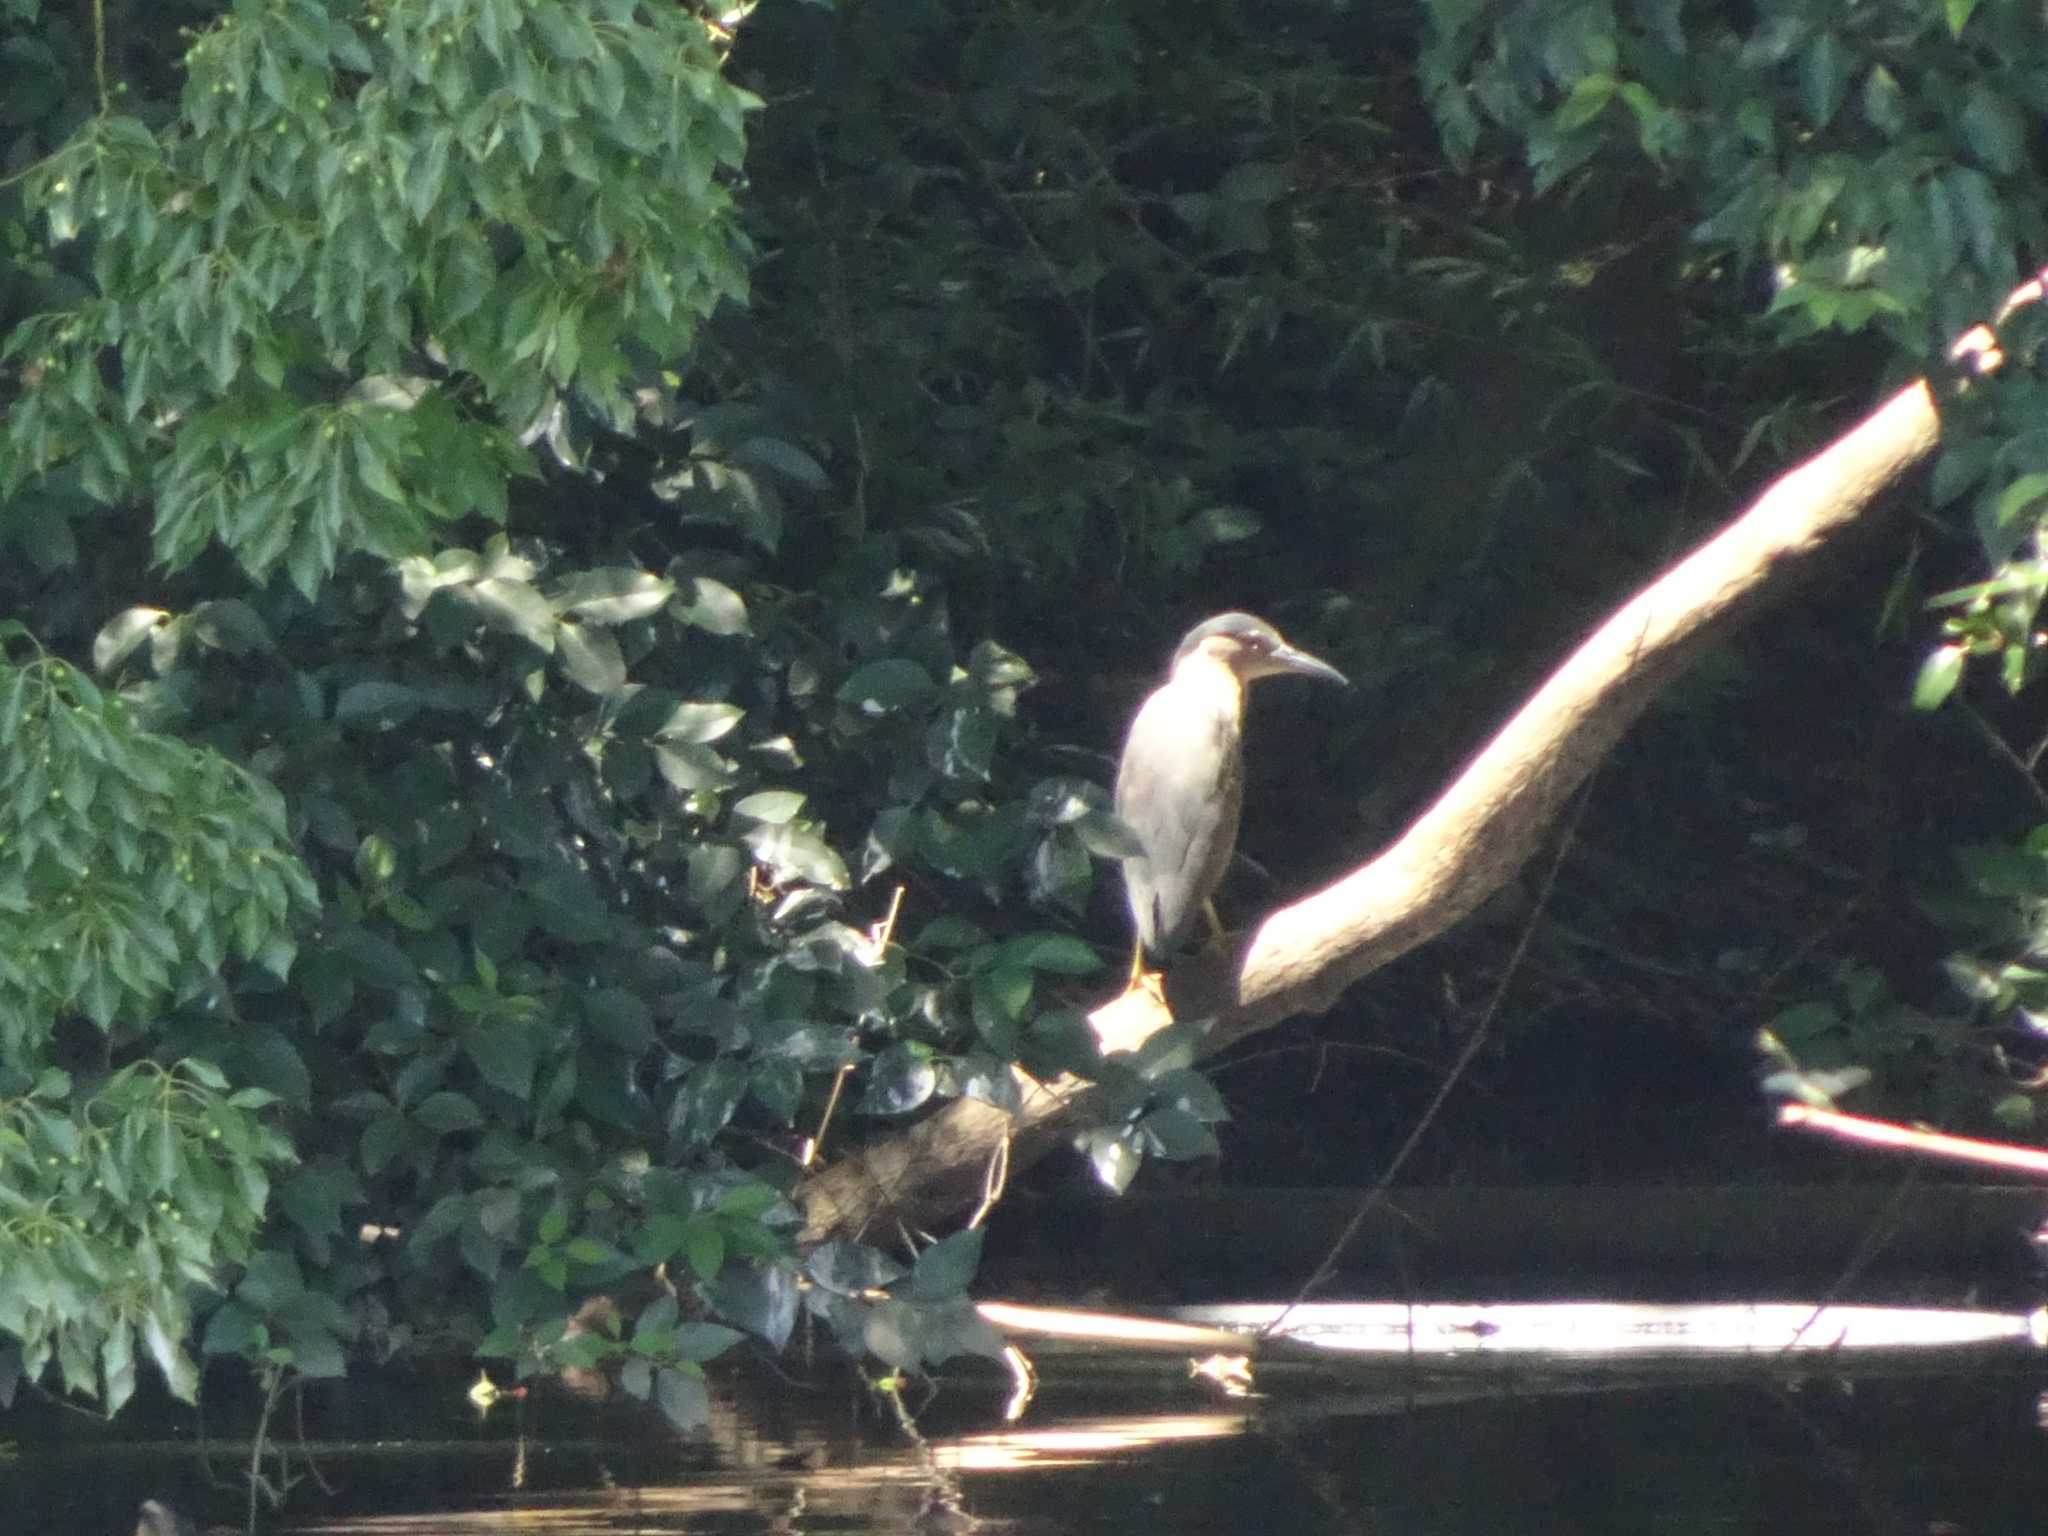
pixel 1180 785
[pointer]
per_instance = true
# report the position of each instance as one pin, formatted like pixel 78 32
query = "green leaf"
pixel 1061 1040
pixel 949 932
pixel 1113 1157
pixel 2020 497
pixel 383 704
pixel 515 608
pixel 684 1400
pixel 705 1341
pixel 554 1222
pixel 777 1086
pixel 793 852
pixel 1805 1022
pixel 1191 1092
pixel 123 633
pixel 1883 102
pixel 613 596
pixel 1176 1134
pixel 1225 524
pixel 713 877
pixel 231 625
pixel 445 1111
pixel 709 605
pixel 1982 213
pixel 752 1199
pixel 32 80
pixel 382 1140
pixel 660 1237
pixel 704 1249
pixel 991 1080
pixel 1994 130
pixel 1107 836
pixel 591 657
pixel 315 1196
pixel 505 1055
pixel 620 1019
pixel 690 767
pixel 700 722
pixel 783 459
pixel 900 1080
pixel 316 1352
pixel 891 684
pixel 707 1099
pixel 1587 99
pixel 994 667
pixel 387 392
pixel 166 1348
pixel 893 1333
pixel 1061 953
pixel 1823 79
pixel 1938 676
pixel 771 806
pixel 947 1268
pixel 762 1298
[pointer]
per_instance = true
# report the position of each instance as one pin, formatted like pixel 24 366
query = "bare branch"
pixel 1906 1138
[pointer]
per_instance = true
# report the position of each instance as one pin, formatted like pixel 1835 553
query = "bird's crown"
pixel 1246 629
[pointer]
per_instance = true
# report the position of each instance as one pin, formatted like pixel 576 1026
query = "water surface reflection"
pixel 1819 1445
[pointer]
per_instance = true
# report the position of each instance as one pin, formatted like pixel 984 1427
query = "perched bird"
pixel 1180 784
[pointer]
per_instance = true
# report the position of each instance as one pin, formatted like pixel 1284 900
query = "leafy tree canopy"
pixel 531 527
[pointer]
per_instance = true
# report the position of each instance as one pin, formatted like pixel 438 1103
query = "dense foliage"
pixel 1883 167
pixel 566 616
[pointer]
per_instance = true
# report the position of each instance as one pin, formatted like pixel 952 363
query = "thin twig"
pixel 1473 1042
pixel 879 939
pixel 2003 748
pixel 1883 1227
pixel 306 1445
pixel 273 1389
pixel 809 1153
pixel 993 1181
pixel 99 51
pixel 1905 1138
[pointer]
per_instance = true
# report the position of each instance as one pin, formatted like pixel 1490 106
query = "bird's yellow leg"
pixel 1143 980
pixel 1216 934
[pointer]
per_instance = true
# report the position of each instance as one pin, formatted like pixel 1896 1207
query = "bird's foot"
pixel 1151 983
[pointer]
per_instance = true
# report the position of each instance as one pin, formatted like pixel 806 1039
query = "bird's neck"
pixel 1212 680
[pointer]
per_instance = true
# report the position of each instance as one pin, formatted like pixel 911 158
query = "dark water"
pixel 1954 1448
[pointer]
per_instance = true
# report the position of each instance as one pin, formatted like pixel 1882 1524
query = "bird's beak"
pixel 1288 659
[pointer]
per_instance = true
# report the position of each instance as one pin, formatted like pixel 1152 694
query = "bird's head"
pixel 1250 648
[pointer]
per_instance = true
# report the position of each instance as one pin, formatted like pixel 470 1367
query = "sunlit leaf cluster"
pixel 376 244
pixel 606 854
pixel 1877 158
pixel 132 864
pixel 117 1205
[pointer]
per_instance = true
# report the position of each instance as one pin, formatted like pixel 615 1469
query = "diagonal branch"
pixel 1463 848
